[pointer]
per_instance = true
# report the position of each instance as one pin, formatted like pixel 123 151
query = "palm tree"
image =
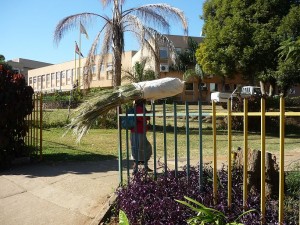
pixel 197 74
pixel 290 50
pixel 137 20
pixel 139 73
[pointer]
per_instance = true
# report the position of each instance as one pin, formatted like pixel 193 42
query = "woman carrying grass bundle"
pixel 88 112
pixel 140 146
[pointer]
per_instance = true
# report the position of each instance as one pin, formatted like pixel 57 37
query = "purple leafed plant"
pixel 149 201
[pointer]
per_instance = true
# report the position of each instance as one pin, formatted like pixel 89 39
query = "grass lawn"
pixel 101 144
pixel 97 145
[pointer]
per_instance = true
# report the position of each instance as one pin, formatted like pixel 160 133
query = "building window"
pixel 213 87
pixel 109 75
pixel 30 81
pixel 203 87
pixel 73 76
pixel 189 86
pixel 34 83
pixel 109 67
pixel 43 85
pixel 16 70
pixel 39 83
pixel 57 79
pixel 48 80
pixel 69 76
pixel 63 78
pixel 163 53
pixel 102 68
pixel 178 50
pixel 93 70
pixel 53 79
pixel 227 87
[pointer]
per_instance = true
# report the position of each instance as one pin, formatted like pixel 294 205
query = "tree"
pixel 139 73
pixel 4 64
pixel 290 50
pixel 137 20
pixel 241 38
pixel 186 59
pixel 288 70
pixel 15 104
pixel 186 62
pixel 196 73
pixel 2 58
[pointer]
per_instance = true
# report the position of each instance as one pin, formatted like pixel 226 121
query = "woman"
pixel 138 138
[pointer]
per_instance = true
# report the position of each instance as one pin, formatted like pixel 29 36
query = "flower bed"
pixel 149 201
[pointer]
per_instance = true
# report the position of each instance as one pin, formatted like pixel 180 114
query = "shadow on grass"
pixel 58 157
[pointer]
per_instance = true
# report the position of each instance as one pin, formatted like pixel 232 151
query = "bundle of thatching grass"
pixel 88 112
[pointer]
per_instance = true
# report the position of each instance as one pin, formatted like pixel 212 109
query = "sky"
pixel 27 26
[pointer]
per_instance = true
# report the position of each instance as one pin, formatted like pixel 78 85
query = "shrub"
pixel 149 201
pixel 60 99
pixel 254 105
pixel 15 105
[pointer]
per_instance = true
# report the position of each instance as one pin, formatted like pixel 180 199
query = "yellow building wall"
pixel 62 77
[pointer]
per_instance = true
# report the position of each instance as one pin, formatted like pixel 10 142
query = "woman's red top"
pixel 139 121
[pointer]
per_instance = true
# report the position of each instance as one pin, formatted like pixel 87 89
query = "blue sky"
pixel 27 26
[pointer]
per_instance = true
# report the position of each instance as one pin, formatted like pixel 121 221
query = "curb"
pixel 104 212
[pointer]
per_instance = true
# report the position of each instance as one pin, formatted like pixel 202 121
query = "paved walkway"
pixel 72 193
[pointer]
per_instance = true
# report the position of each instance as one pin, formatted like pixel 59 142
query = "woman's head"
pixel 140 101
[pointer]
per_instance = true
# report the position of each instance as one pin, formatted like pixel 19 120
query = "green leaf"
pixel 123 220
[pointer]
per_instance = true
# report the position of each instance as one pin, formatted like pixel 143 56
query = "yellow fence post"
pixel 263 156
pixel 281 171
pixel 229 153
pixel 245 175
pixel 214 152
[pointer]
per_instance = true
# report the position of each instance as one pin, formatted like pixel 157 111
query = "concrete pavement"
pixel 66 193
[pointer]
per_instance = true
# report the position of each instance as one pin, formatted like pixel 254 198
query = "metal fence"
pixel 124 143
pixel 34 136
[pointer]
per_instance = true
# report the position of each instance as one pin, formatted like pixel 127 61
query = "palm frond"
pixel 72 22
pixel 90 61
pixel 91 58
pixel 129 76
pixel 106 46
pixel 155 11
pixel 105 3
pixel 150 17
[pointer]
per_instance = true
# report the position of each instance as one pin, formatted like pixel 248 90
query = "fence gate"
pixel 34 137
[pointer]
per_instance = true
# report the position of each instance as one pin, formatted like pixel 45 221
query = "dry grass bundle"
pixel 87 113
pixel 90 110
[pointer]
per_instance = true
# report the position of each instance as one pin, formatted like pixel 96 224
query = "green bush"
pixel 15 104
pixel 274 102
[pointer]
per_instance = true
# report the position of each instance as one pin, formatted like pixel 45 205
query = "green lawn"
pixel 100 144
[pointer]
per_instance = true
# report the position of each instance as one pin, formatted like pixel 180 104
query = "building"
pixel 24 65
pixel 63 76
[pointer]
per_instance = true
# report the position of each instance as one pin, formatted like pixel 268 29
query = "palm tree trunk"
pixel 117 57
pixel 117 44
